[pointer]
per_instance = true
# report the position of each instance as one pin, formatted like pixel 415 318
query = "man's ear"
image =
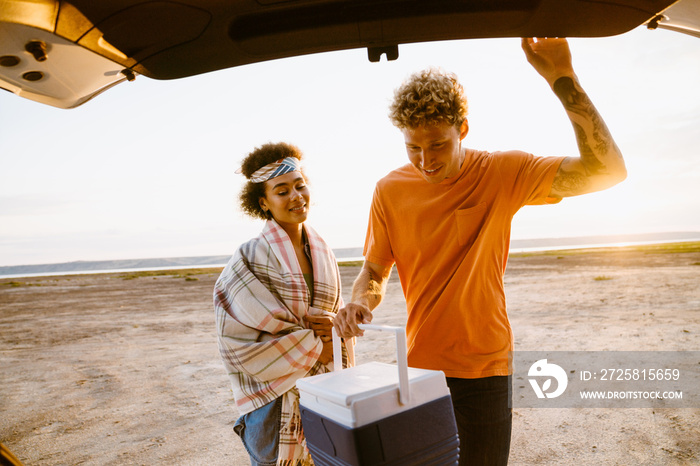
pixel 463 129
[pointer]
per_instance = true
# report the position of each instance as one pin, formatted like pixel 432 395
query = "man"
pixel 444 220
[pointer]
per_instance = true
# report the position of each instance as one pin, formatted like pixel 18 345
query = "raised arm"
pixel 600 164
pixel 367 292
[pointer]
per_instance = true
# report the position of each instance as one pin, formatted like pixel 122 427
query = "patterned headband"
pixel 275 169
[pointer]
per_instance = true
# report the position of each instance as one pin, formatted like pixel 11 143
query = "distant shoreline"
pixel 346 257
pixel 667 247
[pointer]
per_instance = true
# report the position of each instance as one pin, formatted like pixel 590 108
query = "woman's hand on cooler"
pixel 327 352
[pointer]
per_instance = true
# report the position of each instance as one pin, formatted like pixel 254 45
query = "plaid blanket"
pixel 260 301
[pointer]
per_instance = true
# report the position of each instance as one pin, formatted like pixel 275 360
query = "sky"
pixel 147 169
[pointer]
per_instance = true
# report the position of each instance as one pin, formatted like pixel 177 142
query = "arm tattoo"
pixel 572 99
pixel 598 145
pixel 374 285
pixel 368 288
pixel 569 181
pixel 591 162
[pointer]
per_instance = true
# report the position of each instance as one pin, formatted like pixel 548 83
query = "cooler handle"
pixel 401 358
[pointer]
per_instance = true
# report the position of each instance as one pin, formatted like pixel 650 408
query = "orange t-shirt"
pixel 449 242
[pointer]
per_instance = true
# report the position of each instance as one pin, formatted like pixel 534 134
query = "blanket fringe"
pixel 292 449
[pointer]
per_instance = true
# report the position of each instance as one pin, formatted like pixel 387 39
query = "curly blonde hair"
pixel 429 97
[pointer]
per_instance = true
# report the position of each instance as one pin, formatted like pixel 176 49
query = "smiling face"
pixel 436 150
pixel 287 199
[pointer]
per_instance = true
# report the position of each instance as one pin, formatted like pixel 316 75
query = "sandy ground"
pixel 103 369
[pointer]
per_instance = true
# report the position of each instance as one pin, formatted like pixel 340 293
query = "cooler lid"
pixel 345 387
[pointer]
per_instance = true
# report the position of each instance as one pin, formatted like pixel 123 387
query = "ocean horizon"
pixel 342 254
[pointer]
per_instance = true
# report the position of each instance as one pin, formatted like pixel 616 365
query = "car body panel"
pixel 93 45
pixel 683 16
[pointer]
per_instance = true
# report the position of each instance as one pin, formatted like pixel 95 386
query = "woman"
pixel 274 304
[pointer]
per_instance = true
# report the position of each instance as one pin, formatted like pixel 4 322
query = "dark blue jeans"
pixel 484 419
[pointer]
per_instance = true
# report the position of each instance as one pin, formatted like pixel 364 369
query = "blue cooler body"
pixel 379 414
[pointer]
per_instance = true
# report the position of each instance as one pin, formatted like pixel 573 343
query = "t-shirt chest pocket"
pixel 469 222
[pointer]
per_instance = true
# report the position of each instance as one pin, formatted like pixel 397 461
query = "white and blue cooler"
pixel 379 414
